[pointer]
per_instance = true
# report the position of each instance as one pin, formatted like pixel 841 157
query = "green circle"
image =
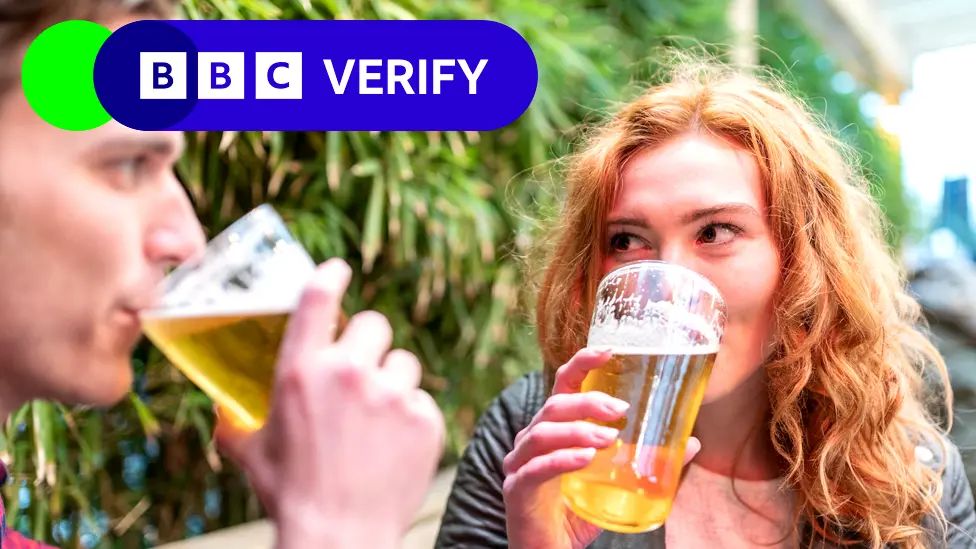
pixel 58 75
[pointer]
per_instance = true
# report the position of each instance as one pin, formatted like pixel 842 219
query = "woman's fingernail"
pixel 600 349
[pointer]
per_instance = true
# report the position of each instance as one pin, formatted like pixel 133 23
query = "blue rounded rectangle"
pixel 316 75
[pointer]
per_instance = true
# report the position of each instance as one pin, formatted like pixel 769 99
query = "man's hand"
pixel 351 443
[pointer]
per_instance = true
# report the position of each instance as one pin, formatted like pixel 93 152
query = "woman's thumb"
pixel 692 449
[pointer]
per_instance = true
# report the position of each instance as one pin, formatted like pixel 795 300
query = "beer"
pixel 230 355
pixel 663 324
pixel 222 314
pixel 629 487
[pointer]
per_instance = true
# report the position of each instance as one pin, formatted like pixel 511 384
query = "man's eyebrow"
pixel 157 145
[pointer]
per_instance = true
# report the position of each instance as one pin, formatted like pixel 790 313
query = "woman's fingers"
pixel 592 405
pixel 548 437
pixel 569 377
pixel 542 469
pixel 691 450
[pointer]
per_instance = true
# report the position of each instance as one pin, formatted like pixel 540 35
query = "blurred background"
pixel 433 224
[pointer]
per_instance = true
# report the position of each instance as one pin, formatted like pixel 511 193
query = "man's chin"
pixel 105 390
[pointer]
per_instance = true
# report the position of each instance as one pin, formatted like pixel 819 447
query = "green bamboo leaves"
pixel 44 418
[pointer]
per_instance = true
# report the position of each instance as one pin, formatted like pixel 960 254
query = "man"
pixel 89 221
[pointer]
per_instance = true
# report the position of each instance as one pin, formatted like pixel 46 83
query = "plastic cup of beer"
pixel 663 324
pixel 223 314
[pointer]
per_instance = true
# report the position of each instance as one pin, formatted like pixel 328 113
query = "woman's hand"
pixel 559 440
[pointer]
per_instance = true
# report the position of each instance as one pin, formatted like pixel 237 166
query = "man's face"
pixel 89 221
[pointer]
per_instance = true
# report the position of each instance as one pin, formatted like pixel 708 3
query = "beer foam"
pixel 659 351
pixel 244 278
pixel 244 309
pixel 621 322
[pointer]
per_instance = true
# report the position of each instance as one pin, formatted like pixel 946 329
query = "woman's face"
pixel 697 201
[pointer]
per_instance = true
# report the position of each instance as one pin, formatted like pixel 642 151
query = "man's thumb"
pixel 231 438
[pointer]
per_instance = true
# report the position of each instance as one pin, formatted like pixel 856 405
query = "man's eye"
pixel 128 172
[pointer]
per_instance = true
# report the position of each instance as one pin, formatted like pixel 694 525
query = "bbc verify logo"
pixel 318 75
pixel 220 75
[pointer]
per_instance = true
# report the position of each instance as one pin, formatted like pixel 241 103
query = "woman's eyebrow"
pixel 690 217
pixel 730 208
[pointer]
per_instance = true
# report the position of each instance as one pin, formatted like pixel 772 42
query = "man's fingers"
pixel 366 339
pixel 231 438
pixel 426 410
pixel 401 369
pixel 312 326
pixel 244 448
pixel 569 377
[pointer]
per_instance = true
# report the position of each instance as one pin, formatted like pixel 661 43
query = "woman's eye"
pixel 621 242
pixel 718 233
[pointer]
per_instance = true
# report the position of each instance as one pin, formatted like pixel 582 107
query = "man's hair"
pixel 22 20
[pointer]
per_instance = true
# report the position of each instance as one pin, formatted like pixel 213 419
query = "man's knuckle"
pixel 396 402
pixel 292 381
pixel 349 375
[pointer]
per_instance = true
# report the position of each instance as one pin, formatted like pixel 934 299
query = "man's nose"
pixel 179 235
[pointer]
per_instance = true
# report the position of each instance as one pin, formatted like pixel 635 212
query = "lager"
pixel 222 315
pixel 663 324
pixel 629 486
pixel 230 355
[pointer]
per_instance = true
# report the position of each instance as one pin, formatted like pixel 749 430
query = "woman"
pixel 813 431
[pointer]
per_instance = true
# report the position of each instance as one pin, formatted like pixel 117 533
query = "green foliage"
pixel 797 55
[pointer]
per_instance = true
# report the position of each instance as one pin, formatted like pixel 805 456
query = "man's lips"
pixel 129 325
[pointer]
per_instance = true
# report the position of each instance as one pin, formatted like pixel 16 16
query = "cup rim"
pixel 259 213
pixel 262 212
pixel 644 263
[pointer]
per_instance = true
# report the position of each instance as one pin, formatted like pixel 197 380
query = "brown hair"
pixel 845 381
pixel 22 20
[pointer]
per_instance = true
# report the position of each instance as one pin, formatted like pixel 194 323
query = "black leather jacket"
pixel 475 514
